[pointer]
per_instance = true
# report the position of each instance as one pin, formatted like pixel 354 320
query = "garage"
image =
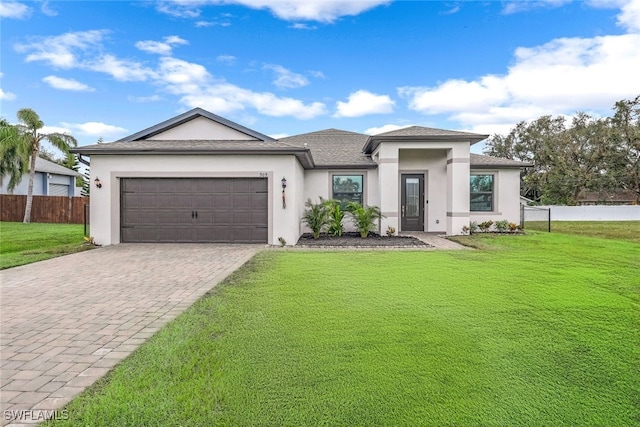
pixel 198 210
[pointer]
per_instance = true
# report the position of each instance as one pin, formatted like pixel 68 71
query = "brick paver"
pixel 66 321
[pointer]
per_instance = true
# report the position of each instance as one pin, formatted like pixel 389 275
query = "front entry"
pixel 412 203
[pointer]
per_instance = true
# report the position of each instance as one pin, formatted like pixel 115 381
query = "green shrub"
pixel 336 214
pixel 502 226
pixel 473 227
pixel 485 226
pixel 316 216
pixel 364 217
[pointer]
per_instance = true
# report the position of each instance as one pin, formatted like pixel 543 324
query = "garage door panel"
pixel 163 210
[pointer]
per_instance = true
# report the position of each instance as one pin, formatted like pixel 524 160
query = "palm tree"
pixel 22 142
pixel 14 158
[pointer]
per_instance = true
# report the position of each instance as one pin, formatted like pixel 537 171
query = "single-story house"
pixel 201 178
pixel 51 179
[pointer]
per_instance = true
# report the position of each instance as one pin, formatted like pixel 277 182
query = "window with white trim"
pixel 481 193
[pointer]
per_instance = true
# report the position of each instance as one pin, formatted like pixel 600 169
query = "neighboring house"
pixel 201 178
pixel 619 197
pixel 51 179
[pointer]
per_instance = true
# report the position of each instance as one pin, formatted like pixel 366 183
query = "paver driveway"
pixel 66 321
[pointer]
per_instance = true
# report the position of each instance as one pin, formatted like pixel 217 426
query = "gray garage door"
pixel 216 210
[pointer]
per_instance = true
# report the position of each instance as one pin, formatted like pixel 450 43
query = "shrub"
pixel 391 231
pixel 466 229
pixel 513 227
pixel 364 217
pixel 336 214
pixel 502 226
pixel 316 216
pixel 485 226
pixel 473 227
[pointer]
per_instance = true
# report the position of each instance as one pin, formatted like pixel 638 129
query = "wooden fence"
pixel 54 209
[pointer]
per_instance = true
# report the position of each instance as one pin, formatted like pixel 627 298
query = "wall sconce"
pixel 97 182
pixel 284 199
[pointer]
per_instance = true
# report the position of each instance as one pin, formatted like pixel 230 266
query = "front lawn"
pixel 26 243
pixel 542 329
pixel 622 230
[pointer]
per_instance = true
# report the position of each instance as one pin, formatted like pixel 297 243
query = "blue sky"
pixel 109 69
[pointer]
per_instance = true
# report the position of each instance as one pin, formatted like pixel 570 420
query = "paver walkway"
pixel 435 240
pixel 66 321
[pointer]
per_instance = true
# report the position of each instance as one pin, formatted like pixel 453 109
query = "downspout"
pixel 83 161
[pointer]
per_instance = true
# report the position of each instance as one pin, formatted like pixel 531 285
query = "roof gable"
pixel 421 133
pixel 192 124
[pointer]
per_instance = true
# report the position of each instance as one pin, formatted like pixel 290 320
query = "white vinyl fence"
pixel 593 213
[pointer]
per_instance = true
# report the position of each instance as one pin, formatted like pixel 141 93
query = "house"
pixel 51 179
pixel 201 178
pixel 619 197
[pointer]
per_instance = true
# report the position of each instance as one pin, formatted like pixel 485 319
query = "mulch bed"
pixel 354 240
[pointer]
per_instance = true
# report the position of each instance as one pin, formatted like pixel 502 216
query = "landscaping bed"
pixel 354 240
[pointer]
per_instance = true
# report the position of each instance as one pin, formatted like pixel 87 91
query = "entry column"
pixel 457 191
pixel 388 183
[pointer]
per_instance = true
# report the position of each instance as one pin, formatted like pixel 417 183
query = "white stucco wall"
pixel 317 183
pixel 506 203
pixel 433 164
pixel 201 128
pixel 105 201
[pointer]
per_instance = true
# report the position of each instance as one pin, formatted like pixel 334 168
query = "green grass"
pixel 541 329
pixel 624 230
pixel 26 243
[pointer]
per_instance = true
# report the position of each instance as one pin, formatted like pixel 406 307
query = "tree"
pixel 626 137
pixel 588 154
pixel 14 158
pixel 24 139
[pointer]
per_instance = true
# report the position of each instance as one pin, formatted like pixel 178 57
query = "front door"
pixel 412 203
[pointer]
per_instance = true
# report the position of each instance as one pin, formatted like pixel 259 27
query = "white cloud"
pixel 14 10
pixel 286 79
pixel 6 96
pixel 226 59
pixel 95 129
pixel 161 48
pixel 54 129
pixel 191 82
pixel 384 128
pixel 302 26
pixel 525 6
pixel 67 84
pixel 363 102
pixel 152 98
pixel 47 10
pixel 559 77
pixel 326 11
pixel 62 51
pixel 119 69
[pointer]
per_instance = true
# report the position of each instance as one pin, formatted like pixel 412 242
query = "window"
pixel 481 187
pixel 347 188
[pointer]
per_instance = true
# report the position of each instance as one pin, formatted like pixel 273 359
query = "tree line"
pixel 585 153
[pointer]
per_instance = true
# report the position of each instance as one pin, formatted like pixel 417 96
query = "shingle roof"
pixel 158 146
pixel 45 166
pixel 334 148
pixel 426 131
pixel 481 161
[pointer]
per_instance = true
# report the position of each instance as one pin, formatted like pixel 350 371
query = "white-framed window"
pixel 482 187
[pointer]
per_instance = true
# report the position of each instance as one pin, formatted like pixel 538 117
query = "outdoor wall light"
pixel 284 198
pixel 97 182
